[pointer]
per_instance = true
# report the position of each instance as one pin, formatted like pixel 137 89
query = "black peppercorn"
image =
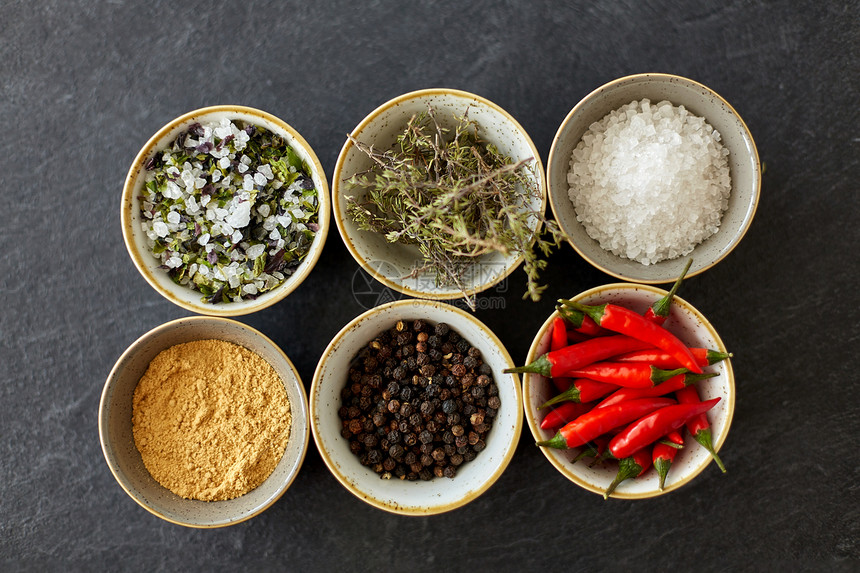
pixel 427 408
pixel 396 452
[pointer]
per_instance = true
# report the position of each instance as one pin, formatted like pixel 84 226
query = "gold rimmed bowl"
pixel 688 324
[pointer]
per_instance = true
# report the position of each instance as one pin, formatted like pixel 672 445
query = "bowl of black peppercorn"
pixel 411 410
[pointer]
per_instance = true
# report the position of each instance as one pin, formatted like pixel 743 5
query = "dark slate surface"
pixel 83 85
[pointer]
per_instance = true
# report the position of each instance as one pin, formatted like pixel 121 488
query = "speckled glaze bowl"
pixel 413 497
pixel 135 238
pixel 693 329
pixel 744 167
pixel 124 460
pixel 389 263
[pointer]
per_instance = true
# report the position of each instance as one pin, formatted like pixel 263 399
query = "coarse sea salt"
pixel 650 182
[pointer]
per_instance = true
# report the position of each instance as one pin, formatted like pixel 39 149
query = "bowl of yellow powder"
pixel 203 421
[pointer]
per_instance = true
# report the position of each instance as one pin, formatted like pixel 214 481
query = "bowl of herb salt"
pixel 225 210
pixel 440 194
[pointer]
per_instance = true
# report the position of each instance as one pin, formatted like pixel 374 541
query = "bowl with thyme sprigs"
pixel 225 210
pixel 440 194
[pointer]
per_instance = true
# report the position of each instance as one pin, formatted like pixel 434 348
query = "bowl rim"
pixel 534 426
pixel 327 457
pixel 104 432
pixel 137 252
pixel 540 175
pixel 635 78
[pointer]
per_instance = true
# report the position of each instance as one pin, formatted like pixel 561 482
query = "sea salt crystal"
pixel 263 210
pixel 173 218
pixel 649 182
pixel 248 182
pixel 259 178
pixel 224 162
pixel 241 215
pixel 160 228
pixel 255 251
pixel 266 170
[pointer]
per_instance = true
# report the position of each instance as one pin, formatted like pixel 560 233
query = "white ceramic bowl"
pixel 123 457
pixel 135 239
pixel 693 329
pixel 391 263
pixel 413 497
pixel 744 168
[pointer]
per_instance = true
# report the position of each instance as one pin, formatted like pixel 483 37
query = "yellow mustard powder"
pixel 211 419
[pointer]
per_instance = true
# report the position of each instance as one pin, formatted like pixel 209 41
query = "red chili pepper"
pixel 580 322
pixel 698 426
pixel 673 384
pixel 625 321
pixel 630 467
pixel 660 359
pixel 659 311
pixel 663 455
pixel 558 335
pixel 595 423
pixel 556 363
pixel 557 341
pixel 676 438
pixel 574 337
pixel 583 390
pixel 648 429
pixel 567 412
pixel 627 374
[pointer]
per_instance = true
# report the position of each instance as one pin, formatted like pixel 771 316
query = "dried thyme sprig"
pixel 455 197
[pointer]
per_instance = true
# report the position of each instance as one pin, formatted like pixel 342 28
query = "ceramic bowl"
pixel 390 263
pixel 123 457
pixel 413 497
pixel 135 238
pixel 743 160
pixel 692 328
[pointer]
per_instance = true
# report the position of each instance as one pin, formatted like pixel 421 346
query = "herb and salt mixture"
pixel 650 182
pixel 229 209
pixel 454 196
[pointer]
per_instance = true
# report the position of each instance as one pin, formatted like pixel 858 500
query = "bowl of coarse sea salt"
pixel 650 170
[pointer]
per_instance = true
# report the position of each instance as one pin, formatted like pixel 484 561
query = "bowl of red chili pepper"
pixel 629 391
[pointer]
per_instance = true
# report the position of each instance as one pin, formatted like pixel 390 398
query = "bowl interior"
pixel 391 263
pixel 123 457
pixel 743 166
pixel 408 497
pixel 693 329
pixel 135 238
